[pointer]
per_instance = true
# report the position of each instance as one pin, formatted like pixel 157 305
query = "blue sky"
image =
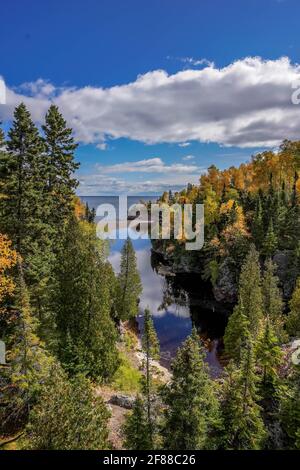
pixel 156 91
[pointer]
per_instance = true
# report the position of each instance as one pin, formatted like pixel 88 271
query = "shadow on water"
pixel 176 302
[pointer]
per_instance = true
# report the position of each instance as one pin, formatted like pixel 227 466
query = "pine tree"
pixel 129 284
pixel 82 302
pixel 192 413
pixel 258 224
pixel 59 167
pixel 67 416
pixel 272 299
pixel 151 348
pixel 269 358
pixel 28 362
pixel 248 314
pixel 293 320
pixel 270 243
pixel 236 332
pixel 136 428
pixel 243 427
pixel 21 183
pixel 24 204
pixel 290 407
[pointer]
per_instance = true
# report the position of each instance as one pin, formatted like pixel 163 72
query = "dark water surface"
pixel 173 305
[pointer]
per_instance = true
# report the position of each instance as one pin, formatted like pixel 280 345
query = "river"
pixel 174 302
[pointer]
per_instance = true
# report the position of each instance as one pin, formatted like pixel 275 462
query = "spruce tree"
pixel 129 284
pixel 272 299
pixel 236 332
pixel 24 204
pixel 192 413
pixel 270 242
pixel 28 362
pixel 258 224
pixel 151 348
pixel 269 359
pixel 248 314
pixel 82 303
pixel 293 319
pixel 136 428
pixel 243 427
pixel 290 407
pixel 59 168
pixel 67 416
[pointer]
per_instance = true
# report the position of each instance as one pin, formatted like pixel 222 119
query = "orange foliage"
pixel 8 259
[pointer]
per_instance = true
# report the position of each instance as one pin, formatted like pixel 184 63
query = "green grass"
pixel 127 378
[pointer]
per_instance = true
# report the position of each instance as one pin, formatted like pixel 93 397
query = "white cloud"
pixel 184 144
pixel 246 104
pixel 99 182
pixel 151 165
pixel 188 157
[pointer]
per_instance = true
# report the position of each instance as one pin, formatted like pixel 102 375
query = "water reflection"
pixel 173 307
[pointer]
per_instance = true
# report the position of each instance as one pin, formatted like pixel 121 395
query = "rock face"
pixel 225 289
pixel 123 401
pixel 287 278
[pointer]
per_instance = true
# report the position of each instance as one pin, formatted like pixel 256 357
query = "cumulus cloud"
pixel 246 104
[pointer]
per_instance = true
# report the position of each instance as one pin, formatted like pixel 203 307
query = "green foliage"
pixel 293 320
pixel 129 286
pixel 136 430
pixel 272 299
pixel 192 411
pixel 243 427
pixel 269 359
pixel 247 316
pixel 126 378
pixel 82 302
pixel 28 362
pixel 290 408
pixel 271 242
pixel 67 416
pixel 150 345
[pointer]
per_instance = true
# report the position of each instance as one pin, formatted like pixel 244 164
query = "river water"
pixel 175 303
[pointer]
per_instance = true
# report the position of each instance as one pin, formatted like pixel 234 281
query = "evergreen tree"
pixel 82 303
pixel 258 224
pixel 24 204
pixel 136 428
pixel 59 167
pixel 248 314
pixel 192 413
pixel 269 358
pixel 28 362
pixel 150 346
pixel 236 332
pixel 129 284
pixel 242 421
pixel 272 299
pixel 290 407
pixel 67 416
pixel 271 242
pixel 293 320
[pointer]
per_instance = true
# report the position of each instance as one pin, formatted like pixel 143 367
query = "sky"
pixel 156 91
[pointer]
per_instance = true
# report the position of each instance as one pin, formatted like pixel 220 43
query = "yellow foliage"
pixel 8 259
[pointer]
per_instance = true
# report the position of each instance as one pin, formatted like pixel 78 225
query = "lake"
pixel 175 304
